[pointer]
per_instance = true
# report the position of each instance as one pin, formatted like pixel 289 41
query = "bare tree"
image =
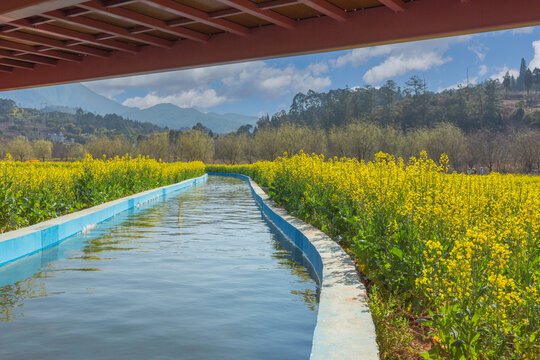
pixel 526 146
pixel 231 148
pixel 42 149
pixel 196 146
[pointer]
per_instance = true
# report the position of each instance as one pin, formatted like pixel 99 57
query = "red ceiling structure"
pixel 45 42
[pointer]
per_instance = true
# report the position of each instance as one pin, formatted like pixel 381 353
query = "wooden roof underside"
pixel 45 42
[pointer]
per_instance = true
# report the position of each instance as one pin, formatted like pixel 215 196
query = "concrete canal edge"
pixel 22 242
pixel 344 327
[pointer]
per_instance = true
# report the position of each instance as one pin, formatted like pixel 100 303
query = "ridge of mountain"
pixel 69 97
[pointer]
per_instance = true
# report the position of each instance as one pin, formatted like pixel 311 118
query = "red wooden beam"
pixel 198 15
pixel 75 35
pixel 395 5
pixel 326 8
pixel 374 26
pixel 40 20
pixel 272 4
pixel 268 15
pixel 108 28
pixel 18 9
pixel 28 57
pixel 139 29
pixel 144 21
pixel 27 49
pixel 37 59
pixel 16 63
pixel 7 69
pixel 58 44
pixel 114 3
pixel 76 12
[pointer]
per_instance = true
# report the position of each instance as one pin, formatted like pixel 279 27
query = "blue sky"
pixel 259 87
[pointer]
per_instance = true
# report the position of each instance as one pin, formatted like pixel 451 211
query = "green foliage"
pixel 393 335
pixel 37 124
pixel 34 192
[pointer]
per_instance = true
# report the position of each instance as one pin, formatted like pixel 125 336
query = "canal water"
pixel 199 275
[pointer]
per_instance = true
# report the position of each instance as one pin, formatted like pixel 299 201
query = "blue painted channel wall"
pixel 18 243
pixel 291 232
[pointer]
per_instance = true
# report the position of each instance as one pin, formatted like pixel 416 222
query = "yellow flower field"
pixel 460 252
pixel 33 192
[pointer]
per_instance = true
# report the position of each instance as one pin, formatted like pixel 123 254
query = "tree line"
pixel 511 151
pixel 79 126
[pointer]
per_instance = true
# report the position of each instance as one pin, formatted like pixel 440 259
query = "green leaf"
pixel 397 252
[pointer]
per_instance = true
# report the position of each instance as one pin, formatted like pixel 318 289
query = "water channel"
pixel 198 275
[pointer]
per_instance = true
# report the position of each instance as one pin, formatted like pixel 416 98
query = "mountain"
pixel 67 98
pixel 174 117
pixel 70 95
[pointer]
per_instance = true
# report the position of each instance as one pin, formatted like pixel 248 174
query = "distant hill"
pixel 78 126
pixel 174 117
pixel 67 98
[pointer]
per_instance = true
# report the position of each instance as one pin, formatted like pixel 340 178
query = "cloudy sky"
pixel 259 87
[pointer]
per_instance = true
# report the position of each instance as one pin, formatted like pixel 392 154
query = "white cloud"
pixel 318 68
pixel 227 83
pixel 358 57
pixel 480 50
pixel 523 31
pixel 499 76
pixel 186 99
pixel 461 84
pixel 483 70
pixel 399 58
pixel 535 62
pixel 400 64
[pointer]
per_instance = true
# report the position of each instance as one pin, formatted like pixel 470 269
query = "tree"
pixel 528 80
pixel 20 149
pixel 389 92
pixel 492 105
pixel 60 151
pixel 231 147
pixel 536 79
pixel 506 83
pixel 42 149
pixel 268 144
pixel 418 100
pixel 107 147
pixel 527 149
pixel 155 146
pixel 485 148
pixel 76 151
pixel 520 82
pixel 200 127
pixel 245 129
pixel 6 106
pixel 448 139
pixel 196 145
pixel 362 140
pixel 337 144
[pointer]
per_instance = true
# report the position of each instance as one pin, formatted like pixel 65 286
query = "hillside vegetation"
pixel 80 126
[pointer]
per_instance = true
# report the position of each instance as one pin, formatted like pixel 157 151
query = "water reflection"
pixel 200 266
pixel 12 297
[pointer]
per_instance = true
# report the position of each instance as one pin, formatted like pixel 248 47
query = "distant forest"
pixel 36 124
pixel 484 106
